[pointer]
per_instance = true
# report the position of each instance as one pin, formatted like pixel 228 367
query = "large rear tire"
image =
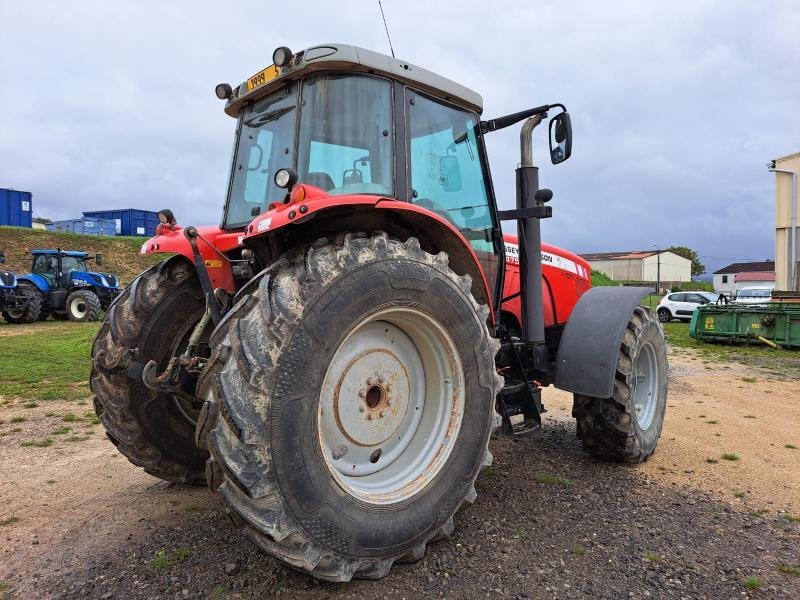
pixel 33 308
pixel 82 306
pixel 349 405
pixel 151 320
pixel 626 427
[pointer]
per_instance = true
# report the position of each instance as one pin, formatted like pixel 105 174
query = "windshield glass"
pixel 71 263
pixel 344 144
pixel 266 143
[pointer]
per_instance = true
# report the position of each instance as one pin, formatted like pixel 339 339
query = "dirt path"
pixel 86 522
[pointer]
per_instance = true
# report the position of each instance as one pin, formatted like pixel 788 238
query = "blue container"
pixel 16 208
pixel 129 221
pixel 84 226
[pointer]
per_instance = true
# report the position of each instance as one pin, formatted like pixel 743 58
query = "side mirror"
pixel 450 174
pixel 98 258
pixel 560 138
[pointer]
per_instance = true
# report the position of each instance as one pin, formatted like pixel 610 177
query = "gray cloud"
pixel 676 106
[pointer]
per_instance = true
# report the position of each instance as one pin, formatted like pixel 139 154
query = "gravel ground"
pixel 549 523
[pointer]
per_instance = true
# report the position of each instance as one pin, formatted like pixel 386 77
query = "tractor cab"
pixel 60 284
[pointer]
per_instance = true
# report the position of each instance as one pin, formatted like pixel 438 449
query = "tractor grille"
pixel 7 279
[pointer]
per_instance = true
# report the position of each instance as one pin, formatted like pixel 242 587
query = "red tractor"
pixel 333 358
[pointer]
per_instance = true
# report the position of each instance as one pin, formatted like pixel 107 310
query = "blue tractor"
pixel 60 285
pixel 9 298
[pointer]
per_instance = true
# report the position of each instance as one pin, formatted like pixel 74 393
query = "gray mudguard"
pixel 589 348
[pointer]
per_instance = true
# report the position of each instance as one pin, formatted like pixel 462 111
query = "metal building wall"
pixel 783 221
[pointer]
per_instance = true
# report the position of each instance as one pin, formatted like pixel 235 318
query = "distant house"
pixel 738 275
pixel 642 265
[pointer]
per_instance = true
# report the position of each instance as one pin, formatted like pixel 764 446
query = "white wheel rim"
pixel 77 308
pixel 645 387
pixel 391 406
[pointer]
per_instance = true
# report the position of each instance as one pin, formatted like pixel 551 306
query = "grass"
pixel 730 456
pixel 792 518
pixel 652 557
pixel 789 570
pixel 550 479
pixel 521 533
pixel 18 419
pixel 490 472
pixel 578 550
pixel 750 417
pixel 42 443
pixel 749 379
pixel 61 431
pixel 191 508
pixel 785 363
pixel 51 481
pixel 70 417
pixel 161 560
pixel 9 521
pixel 49 363
pixel 712 422
pixel 31 404
pixel 753 583
pixel 790 446
pixel 738 494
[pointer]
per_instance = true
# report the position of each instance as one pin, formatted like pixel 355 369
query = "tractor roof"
pixel 344 58
pixel 63 252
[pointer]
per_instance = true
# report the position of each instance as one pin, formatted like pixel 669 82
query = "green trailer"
pixel 775 323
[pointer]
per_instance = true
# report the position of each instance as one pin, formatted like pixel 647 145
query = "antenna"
pixel 388 37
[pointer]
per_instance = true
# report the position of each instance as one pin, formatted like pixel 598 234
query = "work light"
pixel 281 56
pixel 285 178
pixel 223 91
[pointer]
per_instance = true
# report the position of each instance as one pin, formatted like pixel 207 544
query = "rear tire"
pixel 296 393
pixel 32 310
pixel 82 306
pixel 626 427
pixel 150 320
pixel 664 315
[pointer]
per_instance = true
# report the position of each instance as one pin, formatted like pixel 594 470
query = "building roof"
pixel 631 254
pixel 788 156
pixel 755 276
pixel 747 267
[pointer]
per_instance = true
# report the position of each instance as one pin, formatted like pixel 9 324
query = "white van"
pixel 754 294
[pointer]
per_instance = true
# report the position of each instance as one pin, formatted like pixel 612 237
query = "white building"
pixel 734 277
pixel 642 265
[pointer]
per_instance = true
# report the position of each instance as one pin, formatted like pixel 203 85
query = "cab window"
pixel 447 175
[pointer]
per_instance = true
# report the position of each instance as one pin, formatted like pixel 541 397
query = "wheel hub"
pixel 391 405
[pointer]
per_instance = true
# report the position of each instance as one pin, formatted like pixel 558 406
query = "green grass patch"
pixel 550 479
pixel 793 518
pixel 775 361
pixel 31 404
pixel 789 570
pixel 161 560
pixel 602 280
pixel 61 431
pixel 70 417
pixel 51 481
pixel 730 456
pixel 738 494
pixel 9 521
pixel 18 419
pixel 652 557
pixel 42 443
pixel 749 379
pixel 49 363
pixel 790 446
pixel 521 533
pixel 191 508
pixel 753 583
pixel 712 422
pixel 578 550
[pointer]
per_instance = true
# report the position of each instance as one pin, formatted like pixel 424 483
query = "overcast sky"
pixel 676 106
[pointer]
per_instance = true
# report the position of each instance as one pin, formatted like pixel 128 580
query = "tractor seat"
pixel 319 179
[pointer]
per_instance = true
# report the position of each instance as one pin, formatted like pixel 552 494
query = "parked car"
pixel 681 305
pixel 754 294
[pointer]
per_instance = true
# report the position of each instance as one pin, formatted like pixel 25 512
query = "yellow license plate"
pixel 262 77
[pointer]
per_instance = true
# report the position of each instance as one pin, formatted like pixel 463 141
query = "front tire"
pixel 33 308
pixel 349 405
pixel 151 320
pixel 82 306
pixel 664 316
pixel 626 427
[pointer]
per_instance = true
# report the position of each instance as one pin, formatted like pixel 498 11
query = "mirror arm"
pixel 508 120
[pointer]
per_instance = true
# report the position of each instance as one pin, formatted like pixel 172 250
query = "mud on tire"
pixel 262 422
pixel 147 322
pixel 626 427
pixel 33 309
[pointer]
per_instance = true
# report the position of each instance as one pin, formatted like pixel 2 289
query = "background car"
pixel 681 305
pixel 754 294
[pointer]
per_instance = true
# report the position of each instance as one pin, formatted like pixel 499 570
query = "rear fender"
pixel 173 241
pixel 37 280
pixel 289 225
pixel 587 355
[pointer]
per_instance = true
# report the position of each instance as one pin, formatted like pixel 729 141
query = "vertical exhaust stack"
pixel 531 205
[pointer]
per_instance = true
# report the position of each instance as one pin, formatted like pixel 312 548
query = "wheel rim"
pixel 663 316
pixel 391 406
pixel 645 389
pixel 77 308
